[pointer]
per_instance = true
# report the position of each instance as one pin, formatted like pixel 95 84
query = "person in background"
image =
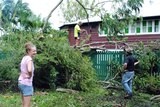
pixel 26 75
pixel 77 32
pixel 128 74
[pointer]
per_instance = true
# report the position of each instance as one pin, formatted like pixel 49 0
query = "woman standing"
pixel 26 76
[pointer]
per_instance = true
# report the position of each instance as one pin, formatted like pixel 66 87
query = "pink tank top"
pixel 24 77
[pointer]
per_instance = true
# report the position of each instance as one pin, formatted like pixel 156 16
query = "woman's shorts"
pixel 25 89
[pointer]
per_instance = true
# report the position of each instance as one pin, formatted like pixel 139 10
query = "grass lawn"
pixel 98 98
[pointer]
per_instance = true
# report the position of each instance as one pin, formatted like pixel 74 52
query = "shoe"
pixel 128 96
pixel 74 47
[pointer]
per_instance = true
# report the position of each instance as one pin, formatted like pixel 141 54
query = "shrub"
pixel 62 65
pixel 147 73
pixel 56 63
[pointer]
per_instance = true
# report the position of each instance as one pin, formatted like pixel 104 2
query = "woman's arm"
pixel 29 68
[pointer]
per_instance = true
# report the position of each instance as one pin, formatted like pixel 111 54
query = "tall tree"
pixel 74 10
pixel 7 10
pixel 110 11
pixel 125 12
pixel 49 15
pixel 18 14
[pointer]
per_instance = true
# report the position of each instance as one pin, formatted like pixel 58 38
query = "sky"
pixel 43 7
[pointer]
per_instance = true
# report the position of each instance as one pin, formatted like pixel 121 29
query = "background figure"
pixel 26 75
pixel 128 74
pixel 77 33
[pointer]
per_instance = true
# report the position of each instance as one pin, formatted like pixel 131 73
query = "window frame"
pixel 140 26
pixel 146 29
pixel 101 32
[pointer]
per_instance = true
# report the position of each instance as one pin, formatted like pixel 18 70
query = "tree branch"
pixel 155 97
pixel 103 2
pixel 85 11
pixel 99 4
pixel 50 15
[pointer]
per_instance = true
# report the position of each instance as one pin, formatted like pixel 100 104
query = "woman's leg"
pixel 27 101
pixel 27 92
pixel 22 101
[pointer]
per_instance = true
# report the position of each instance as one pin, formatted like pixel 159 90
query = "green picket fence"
pixel 102 62
pixel 103 66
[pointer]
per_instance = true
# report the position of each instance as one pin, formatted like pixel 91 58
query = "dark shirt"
pixel 130 60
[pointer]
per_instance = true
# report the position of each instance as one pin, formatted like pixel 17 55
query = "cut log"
pixel 156 97
pixel 66 90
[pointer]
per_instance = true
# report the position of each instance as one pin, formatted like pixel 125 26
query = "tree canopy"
pixel 15 14
pixel 18 16
pixel 110 11
pixel 74 10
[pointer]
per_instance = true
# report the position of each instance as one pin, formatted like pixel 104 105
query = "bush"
pixel 147 73
pixel 62 65
pixel 56 63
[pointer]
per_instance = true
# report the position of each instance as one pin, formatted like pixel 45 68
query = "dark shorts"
pixel 78 34
pixel 76 38
pixel 25 90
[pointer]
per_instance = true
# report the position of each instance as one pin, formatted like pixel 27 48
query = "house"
pixel 142 31
pixel 146 30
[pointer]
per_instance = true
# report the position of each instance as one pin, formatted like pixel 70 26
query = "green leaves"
pixel 56 63
pixel 73 11
pixel 135 5
pixel 124 13
pixel 147 71
pixel 17 16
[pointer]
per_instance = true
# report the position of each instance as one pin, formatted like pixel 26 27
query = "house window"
pixel 156 26
pixel 149 26
pixel 133 28
pixel 144 26
pixel 127 30
pixel 102 31
pixel 138 29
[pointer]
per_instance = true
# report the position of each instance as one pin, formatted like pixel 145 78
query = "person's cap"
pixel 79 22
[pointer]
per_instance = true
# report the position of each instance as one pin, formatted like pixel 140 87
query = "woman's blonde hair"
pixel 29 46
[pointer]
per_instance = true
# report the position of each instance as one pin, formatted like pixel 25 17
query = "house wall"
pixel 92 29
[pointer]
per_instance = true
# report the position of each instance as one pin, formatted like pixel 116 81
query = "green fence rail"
pixel 102 62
